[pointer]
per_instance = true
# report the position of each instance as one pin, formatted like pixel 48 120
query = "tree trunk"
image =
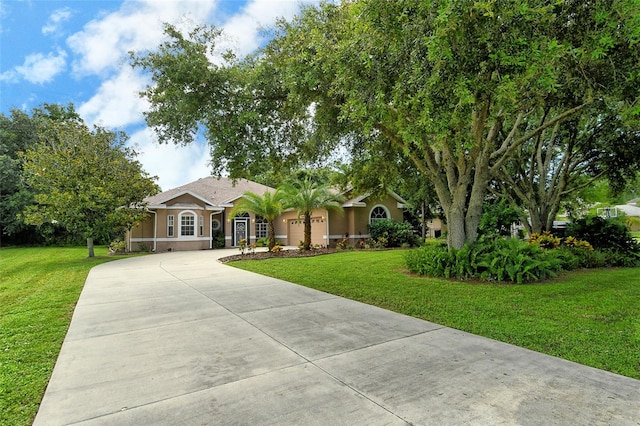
pixel 456 235
pixel 272 235
pixel 536 218
pixel 90 247
pixel 424 220
pixel 307 231
pixel 476 199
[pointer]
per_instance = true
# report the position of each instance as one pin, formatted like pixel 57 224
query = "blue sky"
pixel 60 51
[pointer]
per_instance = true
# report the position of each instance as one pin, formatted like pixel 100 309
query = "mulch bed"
pixel 282 254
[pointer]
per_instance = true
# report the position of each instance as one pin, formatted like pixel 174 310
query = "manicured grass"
pixel 39 288
pixel 591 317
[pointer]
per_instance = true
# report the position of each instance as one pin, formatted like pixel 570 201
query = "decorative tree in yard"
pixel 87 181
pixel 305 196
pixel 269 206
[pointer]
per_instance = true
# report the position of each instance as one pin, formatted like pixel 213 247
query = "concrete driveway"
pixel 180 339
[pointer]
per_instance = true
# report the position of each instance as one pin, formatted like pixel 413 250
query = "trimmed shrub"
pixel 262 242
pixel 394 233
pixel 117 247
pixel 497 260
pixel 433 260
pixel 217 239
pixel 604 234
pixel 545 240
pixel 612 239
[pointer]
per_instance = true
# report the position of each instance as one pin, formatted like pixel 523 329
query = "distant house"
pixel 191 216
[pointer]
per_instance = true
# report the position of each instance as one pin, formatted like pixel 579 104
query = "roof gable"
pixel 174 196
pixel 213 191
pixel 359 201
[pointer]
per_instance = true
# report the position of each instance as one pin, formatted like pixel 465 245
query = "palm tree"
pixel 306 196
pixel 269 206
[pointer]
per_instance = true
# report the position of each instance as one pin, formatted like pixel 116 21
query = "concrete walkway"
pixel 180 339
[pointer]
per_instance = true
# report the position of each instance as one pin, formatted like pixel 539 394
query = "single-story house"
pixel 192 216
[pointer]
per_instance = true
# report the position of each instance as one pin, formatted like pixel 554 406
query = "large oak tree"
pixel 456 87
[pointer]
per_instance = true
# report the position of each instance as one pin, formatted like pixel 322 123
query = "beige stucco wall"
pixel 353 223
pixel 327 228
pixel 142 234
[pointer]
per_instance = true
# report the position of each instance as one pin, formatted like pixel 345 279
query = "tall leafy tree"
pixel 268 205
pixel 452 86
pixel 305 196
pixel 239 106
pixel 86 180
pixel 18 132
pixel 547 170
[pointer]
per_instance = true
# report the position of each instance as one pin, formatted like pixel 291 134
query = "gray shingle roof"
pixel 213 190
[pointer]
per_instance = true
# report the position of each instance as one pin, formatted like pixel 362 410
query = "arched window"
pixel 262 227
pixel 187 224
pixel 379 212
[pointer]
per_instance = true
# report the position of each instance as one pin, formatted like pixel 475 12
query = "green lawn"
pixel 590 317
pixel 39 288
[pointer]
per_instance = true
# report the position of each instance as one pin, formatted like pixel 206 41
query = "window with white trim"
pixel 170 225
pixel 262 227
pixel 201 225
pixel 378 213
pixel 187 225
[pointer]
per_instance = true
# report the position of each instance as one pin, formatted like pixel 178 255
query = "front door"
pixel 240 230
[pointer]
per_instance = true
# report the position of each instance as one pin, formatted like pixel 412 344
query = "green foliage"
pixel 452 89
pixel 19 132
pixel 546 171
pixel 394 233
pixel 610 237
pixel 86 181
pixel 497 217
pixel 240 104
pixel 430 260
pixel 117 247
pixel 498 259
pixel 268 205
pixel 545 240
pixel 457 88
pixel 262 242
pixel 218 239
pixel 344 244
pixel 305 196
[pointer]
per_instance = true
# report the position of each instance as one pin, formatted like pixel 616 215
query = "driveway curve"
pixel 181 339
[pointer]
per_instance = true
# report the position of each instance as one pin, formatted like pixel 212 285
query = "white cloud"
pixel 116 103
pixel 57 17
pixel 103 43
pixel 37 68
pixel 245 27
pixel 10 76
pixel 174 165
